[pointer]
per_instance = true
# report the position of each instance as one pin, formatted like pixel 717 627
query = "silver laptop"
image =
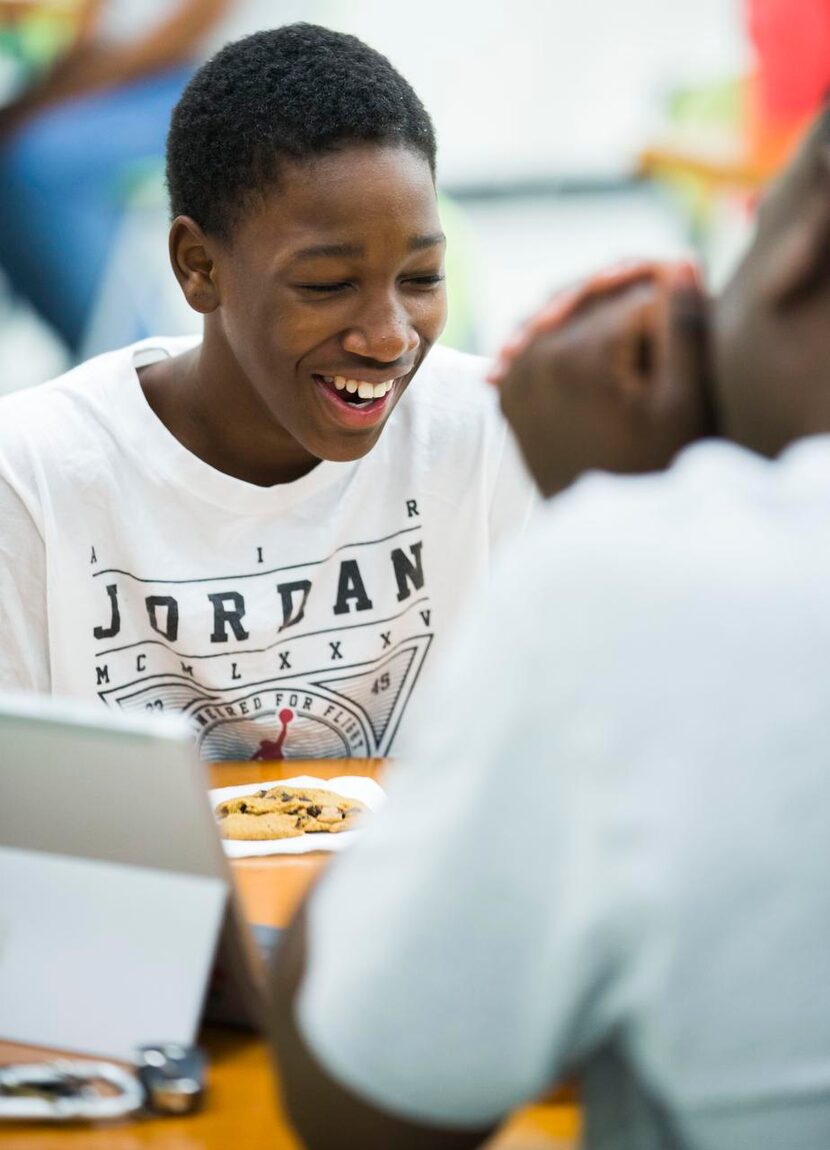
pixel 116 902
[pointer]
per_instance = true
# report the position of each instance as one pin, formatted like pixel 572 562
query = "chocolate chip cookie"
pixel 286 812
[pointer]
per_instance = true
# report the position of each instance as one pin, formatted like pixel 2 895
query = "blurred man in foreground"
pixel 611 859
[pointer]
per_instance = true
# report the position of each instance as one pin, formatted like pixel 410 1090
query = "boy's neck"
pixel 209 407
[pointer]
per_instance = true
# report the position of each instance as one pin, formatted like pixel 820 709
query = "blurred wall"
pixel 530 89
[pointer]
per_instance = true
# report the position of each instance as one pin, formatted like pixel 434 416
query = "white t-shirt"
pixel 609 850
pixel 290 621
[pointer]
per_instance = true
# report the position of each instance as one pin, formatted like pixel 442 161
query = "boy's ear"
pixel 797 263
pixel 190 256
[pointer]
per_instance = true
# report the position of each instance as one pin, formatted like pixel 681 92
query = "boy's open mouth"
pixel 357 393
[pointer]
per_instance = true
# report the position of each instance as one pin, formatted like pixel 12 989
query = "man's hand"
pixel 612 375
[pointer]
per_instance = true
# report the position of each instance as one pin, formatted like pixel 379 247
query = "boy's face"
pixel 337 275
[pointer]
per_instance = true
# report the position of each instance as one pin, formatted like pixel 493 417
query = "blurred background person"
pixel 82 135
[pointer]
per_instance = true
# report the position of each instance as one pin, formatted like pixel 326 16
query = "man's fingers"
pixel 566 303
pixel 553 312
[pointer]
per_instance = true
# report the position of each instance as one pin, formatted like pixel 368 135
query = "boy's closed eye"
pixel 420 281
pixel 322 288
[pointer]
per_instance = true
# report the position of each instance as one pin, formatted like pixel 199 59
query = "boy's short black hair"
pixel 288 93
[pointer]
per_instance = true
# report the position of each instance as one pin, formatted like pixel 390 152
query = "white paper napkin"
pixel 350 786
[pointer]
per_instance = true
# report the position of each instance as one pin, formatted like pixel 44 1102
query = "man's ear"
pixel 193 266
pixel 797 263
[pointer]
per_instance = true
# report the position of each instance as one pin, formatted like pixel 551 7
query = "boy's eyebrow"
pixel 316 251
pixel 346 251
pixel 418 243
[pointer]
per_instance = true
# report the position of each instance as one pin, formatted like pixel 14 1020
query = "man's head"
pixel 301 171
pixel 771 326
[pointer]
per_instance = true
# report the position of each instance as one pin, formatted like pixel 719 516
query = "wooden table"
pixel 242 1109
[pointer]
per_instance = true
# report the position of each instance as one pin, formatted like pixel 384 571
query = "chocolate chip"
pixel 286 797
pixel 261 794
pixel 243 808
pixel 313 812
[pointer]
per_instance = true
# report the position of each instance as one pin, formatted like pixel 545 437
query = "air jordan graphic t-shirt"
pixel 289 621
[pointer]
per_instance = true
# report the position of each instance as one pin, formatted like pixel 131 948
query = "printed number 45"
pixel 381 684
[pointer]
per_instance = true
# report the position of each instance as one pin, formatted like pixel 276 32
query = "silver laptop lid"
pixel 79 780
pixel 113 884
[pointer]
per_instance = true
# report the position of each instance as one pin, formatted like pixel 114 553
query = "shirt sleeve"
pixel 454 950
pixel 515 495
pixel 24 642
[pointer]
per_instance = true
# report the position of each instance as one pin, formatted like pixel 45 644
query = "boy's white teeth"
pixel 363 389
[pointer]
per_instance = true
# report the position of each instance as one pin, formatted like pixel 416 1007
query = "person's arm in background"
pixel 93 63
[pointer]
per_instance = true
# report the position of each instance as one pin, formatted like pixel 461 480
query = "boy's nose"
pixel 385 334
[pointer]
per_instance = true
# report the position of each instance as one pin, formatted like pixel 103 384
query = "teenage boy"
pixel 611 857
pixel 270 529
